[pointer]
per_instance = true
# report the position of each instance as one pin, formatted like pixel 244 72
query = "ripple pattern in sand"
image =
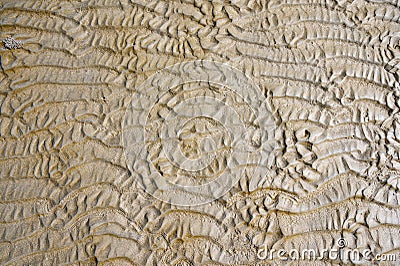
pixel 329 69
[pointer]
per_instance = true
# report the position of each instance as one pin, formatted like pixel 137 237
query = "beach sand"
pixel 74 187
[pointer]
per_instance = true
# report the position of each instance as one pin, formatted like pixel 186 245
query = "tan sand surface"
pixel 191 132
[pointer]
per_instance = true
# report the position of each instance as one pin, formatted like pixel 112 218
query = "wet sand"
pixel 328 70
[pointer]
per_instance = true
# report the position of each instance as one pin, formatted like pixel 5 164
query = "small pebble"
pixel 11 44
